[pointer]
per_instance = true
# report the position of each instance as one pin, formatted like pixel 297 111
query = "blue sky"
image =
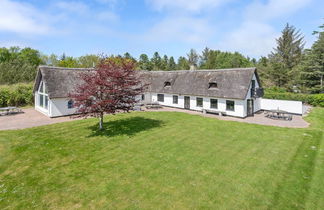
pixel 170 27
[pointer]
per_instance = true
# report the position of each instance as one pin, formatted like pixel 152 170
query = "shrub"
pixel 16 95
pixel 312 99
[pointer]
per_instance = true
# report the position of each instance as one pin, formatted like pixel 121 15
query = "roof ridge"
pixel 205 70
pixel 164 71
pixel 63 68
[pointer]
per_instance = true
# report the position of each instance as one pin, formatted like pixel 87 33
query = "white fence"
pixel 294 107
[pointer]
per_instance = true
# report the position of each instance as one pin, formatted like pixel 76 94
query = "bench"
pixel 10 110
pixel 220 113
pixel 153 106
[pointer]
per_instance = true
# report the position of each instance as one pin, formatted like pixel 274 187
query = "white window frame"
pixel 44 95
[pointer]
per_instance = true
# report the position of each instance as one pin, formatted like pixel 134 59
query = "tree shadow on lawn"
pixel 129 127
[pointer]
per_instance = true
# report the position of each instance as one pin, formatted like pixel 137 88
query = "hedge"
pixel 16 95
pixel 312 99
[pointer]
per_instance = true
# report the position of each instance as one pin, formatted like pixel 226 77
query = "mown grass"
pixel 163 160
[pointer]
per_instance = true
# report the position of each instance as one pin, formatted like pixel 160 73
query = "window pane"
pixel 41 100
pixel 70 104
pixel 213 103
pixel 46 102
pixel 143 97
pixel 199 102
pixel 230 105
pixel 175 99
pixel 160 97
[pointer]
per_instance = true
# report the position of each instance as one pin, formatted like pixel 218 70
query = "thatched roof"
pixel 59 81
pixel 231 83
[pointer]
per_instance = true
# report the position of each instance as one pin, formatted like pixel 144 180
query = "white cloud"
pixel 255 36
pixel 183 29
pixel 251 38
pixel 13 43
pixel 22 18
pixel 61 17
pixel 73 6
pixel 274 8
pixel 107 16
pixel 188 5
pixel 108 1
pixel 181 23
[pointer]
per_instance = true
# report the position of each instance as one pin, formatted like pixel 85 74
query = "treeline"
pixel 288 66
pixel 20 65
pixel 207 60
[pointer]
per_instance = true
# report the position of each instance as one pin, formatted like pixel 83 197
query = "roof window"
pixel 212 85
pixel 167 84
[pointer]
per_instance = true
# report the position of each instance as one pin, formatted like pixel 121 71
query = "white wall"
pixel 256 101
pixel 240 105
pixel 59 107
pixel 295 107
pixel 41 109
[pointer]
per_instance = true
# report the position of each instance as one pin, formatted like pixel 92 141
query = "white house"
pixel 234 92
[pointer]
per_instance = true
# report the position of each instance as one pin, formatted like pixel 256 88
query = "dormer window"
pixel 167 84
pixel 212 85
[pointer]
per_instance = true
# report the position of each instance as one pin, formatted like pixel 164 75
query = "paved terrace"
pixel 32 118
pixel 259 118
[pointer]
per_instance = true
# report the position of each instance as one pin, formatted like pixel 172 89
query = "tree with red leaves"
pixel 111 87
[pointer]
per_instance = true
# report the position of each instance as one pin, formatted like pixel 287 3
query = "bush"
pixel 16 95
pixel 312 99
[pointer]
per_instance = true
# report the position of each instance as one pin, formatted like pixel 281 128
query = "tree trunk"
pixel 101 121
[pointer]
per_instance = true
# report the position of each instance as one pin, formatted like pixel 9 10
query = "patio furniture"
pixel 220 113
pixel 277 114
pixel 9 110
pixel 154 105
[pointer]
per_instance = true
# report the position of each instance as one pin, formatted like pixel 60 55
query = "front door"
pixel 187 102
pixel 250 107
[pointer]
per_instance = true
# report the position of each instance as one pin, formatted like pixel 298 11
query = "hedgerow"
pixel 16 95
pixel 312 99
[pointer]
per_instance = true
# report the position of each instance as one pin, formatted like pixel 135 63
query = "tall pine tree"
pixel 156 61
pixel 313 66
pixel 286 56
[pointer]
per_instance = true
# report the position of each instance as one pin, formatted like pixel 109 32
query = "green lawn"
pixel 164 160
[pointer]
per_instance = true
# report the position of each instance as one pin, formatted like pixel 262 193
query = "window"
pixel 230 105
pixel 167 84
pixel 199 102
pixel 175 99
pixel 42 96
pixel 160 97
pixel 70 104
pixel 41 100
pixel 212 85
pixel 253 84
pixel 143 97
pixel 213 103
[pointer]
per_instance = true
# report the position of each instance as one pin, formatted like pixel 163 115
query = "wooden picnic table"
pixel 278 114
pixel 9 110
